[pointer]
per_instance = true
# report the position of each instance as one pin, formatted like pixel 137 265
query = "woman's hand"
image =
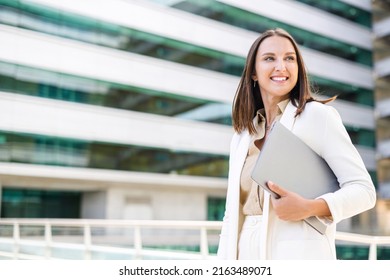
pixel 293 207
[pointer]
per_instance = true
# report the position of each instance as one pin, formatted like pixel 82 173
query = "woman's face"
pixel 276 67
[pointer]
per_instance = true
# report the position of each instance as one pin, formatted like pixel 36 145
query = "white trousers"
pixel 249 240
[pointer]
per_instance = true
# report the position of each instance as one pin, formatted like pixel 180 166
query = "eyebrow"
pixel 270 53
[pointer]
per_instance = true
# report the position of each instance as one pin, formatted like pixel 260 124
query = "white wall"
pixel 93 205
pixel 164 204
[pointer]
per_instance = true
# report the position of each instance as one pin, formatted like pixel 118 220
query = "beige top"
pixel 251 196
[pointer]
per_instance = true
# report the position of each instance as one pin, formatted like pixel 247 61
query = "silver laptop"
pixel 290 163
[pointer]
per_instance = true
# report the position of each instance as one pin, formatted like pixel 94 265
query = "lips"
pixel 279 79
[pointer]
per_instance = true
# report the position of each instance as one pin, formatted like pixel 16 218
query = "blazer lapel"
pixel 288 117
pixel 242 149
pixel 288 120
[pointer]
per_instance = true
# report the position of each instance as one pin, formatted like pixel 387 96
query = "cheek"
pixel 294 73
pixel 295 78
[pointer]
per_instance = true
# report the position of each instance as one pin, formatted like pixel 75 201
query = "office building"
pixel 120 109
pixel 381 74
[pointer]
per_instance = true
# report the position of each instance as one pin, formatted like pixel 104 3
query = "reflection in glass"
pixel 29 203
pixel 45 150
pixel 42 83
pixel 247 20
pixel 51 21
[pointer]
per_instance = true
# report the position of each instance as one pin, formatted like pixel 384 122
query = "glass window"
pixel 38 82
pixel 46 84
pixel 343 91
pixel 80 28
pixel 254 22
pixel 343 10
pixel 29 203
pixel 45 150
pixel 374 177
pixel 215 208
pixel 41 83
pixel 351 252
pixel 88 30
pixel 360 136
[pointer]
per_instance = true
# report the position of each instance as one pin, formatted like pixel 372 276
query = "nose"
pixel 280 65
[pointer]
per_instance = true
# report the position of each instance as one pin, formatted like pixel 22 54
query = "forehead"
pixel 276 44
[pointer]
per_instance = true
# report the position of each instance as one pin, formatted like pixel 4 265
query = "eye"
pixel 290 58
pixel 269 58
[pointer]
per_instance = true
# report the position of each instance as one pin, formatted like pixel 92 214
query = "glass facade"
pixel 29 203
pixel 84 29
pixel 38 82
pixel 244 19
pixel 347 252
pixel 343 91
pixel 381 55
pixel 42 83
pixel 215 208
pixel 53 151
pixel 51 21
pixel 343 10
pixel 45 150
pixel 361 136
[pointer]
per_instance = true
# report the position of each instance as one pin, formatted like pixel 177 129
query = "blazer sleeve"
pixel 222 252
pixel 357 192
pixel 223 239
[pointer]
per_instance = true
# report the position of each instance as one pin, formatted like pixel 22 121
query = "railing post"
pixel 137 243
pixel 48 240
pixel 372 254
pixel 16 235
pixel 204 246
pixel 87 242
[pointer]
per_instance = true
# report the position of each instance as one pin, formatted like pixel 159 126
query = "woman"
pixel 274 87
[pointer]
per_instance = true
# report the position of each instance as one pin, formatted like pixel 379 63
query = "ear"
pixel 254 77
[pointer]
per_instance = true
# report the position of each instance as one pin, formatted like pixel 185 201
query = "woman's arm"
pixel 332 142
pixel 357 192
pixel 293 207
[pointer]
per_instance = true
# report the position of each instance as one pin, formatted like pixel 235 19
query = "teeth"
pixel 279 78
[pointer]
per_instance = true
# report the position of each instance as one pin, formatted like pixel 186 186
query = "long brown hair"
pixel 248 101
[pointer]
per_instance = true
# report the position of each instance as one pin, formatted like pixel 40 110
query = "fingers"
pixel 275 188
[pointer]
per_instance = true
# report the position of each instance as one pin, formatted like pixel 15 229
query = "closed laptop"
pixel 290 163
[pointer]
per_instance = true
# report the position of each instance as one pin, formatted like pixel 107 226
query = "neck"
pixel 271 108
pixel 271 112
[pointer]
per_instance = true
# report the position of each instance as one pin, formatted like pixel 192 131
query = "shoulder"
pixel 237 137
pixel 319 108
pixel 320 112
pixel 316 122
pixel 318 117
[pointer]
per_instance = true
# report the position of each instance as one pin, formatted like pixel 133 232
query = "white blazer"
pixel 320 127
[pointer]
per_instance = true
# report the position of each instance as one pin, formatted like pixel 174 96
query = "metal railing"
pixel 41 240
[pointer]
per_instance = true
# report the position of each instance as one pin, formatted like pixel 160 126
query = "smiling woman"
pixel 274 55
pixel 277 67
pixel 274 86
pixel 276 73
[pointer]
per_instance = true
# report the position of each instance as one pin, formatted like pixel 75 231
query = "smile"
pixel 279 79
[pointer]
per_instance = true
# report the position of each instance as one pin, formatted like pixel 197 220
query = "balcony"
pixel 382 68
pixel 384 148
pixel 79 239
pixel 382 28
pixel 383 108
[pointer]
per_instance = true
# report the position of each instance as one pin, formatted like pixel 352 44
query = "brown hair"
pixel 248 101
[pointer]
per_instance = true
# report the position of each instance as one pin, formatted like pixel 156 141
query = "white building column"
pixel 93 205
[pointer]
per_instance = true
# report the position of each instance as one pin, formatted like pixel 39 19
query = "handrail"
pixel 137 225
pixel 372 241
